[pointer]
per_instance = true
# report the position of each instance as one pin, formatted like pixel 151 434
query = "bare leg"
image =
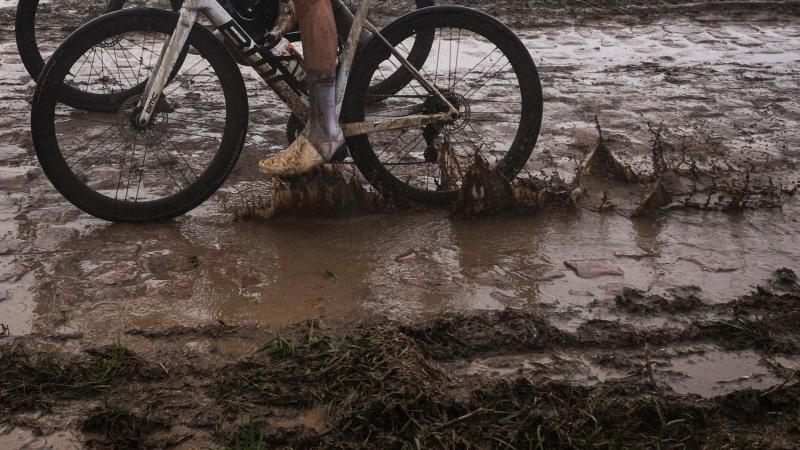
pixel 318 29
pixel 322 136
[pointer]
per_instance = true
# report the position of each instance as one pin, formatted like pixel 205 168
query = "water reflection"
pixel 106 278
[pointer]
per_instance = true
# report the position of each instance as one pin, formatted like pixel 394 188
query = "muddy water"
pixel 703 370
pixel 726 84
pixel 714 372
pixel 23 438
pixel 100 279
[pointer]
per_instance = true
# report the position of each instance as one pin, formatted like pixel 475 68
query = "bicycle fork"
pixel 166 64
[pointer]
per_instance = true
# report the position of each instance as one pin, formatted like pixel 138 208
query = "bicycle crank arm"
pixel 359 128
pixel 166 64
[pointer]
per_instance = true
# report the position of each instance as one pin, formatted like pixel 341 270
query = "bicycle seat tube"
pixel 344 21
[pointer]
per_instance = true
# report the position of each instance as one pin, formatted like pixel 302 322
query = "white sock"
pixel 323 129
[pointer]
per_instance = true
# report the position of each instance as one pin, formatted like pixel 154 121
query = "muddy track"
pixel 390 385
pixel 626 296
pixel 560 12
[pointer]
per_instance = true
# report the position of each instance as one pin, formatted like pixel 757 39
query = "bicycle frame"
pixel 271 71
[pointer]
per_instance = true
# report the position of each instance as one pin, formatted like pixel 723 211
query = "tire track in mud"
pixel 383 384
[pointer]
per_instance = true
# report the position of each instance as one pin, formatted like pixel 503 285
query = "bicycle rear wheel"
pixel 482 68
pixel 105 162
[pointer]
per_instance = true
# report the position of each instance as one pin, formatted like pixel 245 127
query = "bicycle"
pixel 414 144
pixel 54 20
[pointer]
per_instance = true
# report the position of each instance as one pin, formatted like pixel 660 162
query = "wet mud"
pixel 469 379
pixel 623 291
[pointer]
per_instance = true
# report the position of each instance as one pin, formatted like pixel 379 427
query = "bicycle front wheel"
pixel 482 68
pixel 105 162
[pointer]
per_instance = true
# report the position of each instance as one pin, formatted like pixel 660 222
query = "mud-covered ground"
pixel 507 379
pixel 639 291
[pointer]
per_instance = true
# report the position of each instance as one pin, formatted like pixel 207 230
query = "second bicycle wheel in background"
pixel 482 68
pixel 42 25
pixel 417 54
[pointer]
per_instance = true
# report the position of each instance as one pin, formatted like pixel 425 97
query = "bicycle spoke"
pixel 97 145
pixel 141 173
pixel 172 143
pixel 97 159
pixel 122 163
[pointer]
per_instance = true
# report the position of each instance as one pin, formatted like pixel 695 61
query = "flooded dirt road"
pixel 721 85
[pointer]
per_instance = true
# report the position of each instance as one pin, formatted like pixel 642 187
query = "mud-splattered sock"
pixel 322 129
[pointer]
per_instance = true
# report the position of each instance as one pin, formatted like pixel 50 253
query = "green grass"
pixel 36 381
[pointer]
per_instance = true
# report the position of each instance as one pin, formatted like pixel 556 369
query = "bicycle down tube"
pixel 271 71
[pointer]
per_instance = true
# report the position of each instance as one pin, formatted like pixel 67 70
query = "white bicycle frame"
pixel 249 50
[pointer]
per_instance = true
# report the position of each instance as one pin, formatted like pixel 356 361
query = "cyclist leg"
pixel 322 136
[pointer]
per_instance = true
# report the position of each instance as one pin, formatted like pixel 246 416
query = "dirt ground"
pixel 638 291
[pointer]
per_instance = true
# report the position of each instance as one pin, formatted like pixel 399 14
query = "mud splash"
pixel 329 191
pixel 674 180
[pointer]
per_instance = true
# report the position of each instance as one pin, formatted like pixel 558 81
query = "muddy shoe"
pixel 299 158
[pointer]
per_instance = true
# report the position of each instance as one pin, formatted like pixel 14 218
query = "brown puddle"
pixel 110 278
pixel 708 372
pixel 717 372
pixel 558 365
pixel 313 419
pixel 62 272
pixel 24 438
